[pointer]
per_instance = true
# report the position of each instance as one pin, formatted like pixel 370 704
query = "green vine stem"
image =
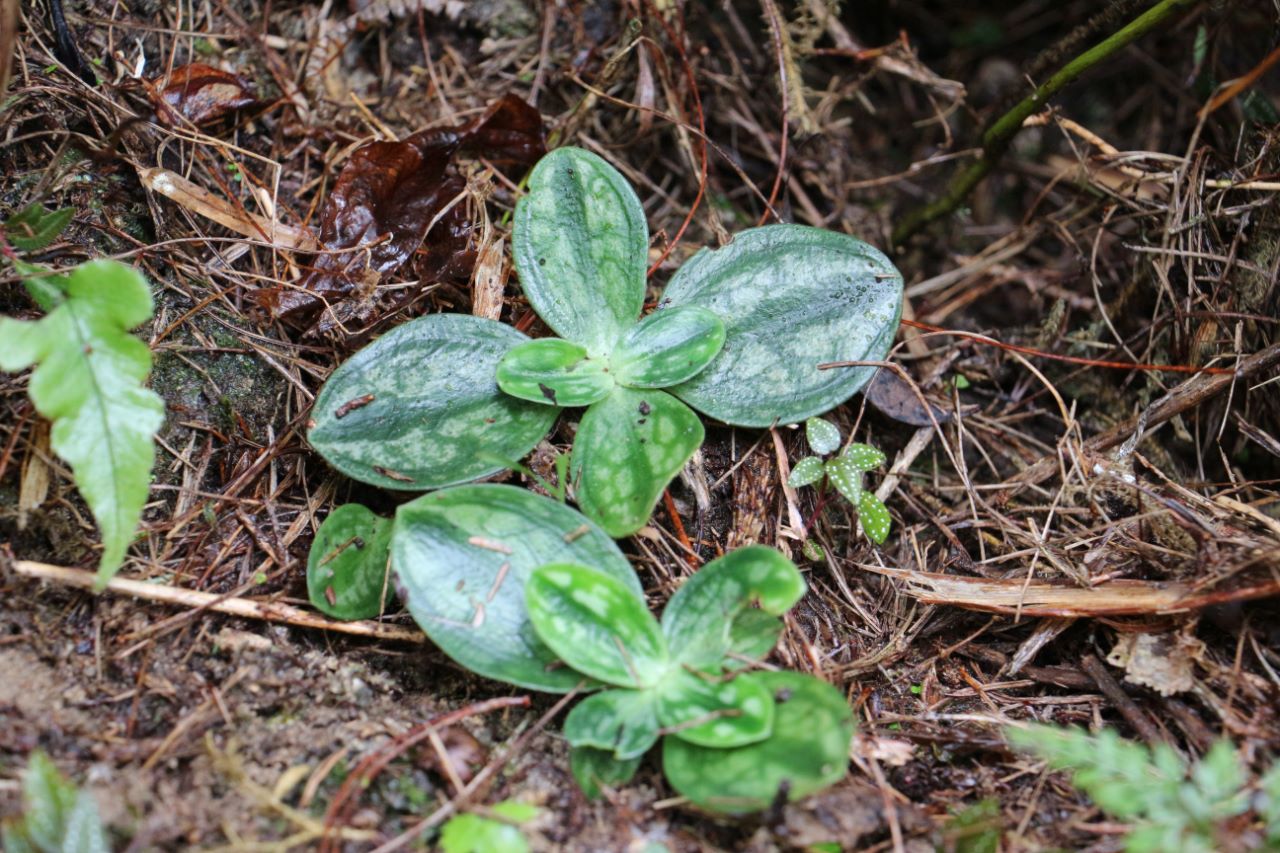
pixel 1000 135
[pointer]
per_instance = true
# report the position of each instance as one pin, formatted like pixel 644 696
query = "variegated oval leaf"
pixel 580 243
pixel 347 565
pixel 717 713
pixel 807 751
pixel 419 408
pixel 792 298
pixel 699 619
pixel 823 436
pixel 624 722
pixel 596 624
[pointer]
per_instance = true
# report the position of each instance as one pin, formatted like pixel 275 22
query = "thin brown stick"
pixel 1129 709
pixel 267 611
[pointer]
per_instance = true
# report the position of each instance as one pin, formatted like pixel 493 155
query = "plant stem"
pixel 997 138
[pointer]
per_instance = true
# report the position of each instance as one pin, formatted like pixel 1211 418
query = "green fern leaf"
pixel 88 381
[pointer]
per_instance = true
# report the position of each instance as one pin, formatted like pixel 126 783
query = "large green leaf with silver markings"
pixel 807 751
pixel 347 565
pixel 699 619
pixel 420 408
pixel 597 625
pixel 554 372
pixel 668 347
pixel 461 558
pixel 580 243
pixel 629 446
pixel 792 298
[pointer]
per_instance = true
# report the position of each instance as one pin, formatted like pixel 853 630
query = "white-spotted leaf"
pixel 596 624
pixel 807 751
pixel 461 558
pixel 668 347
pixel 88 381
pixel 864 457
pixel 846 477
pixel 629 446
pixel 792 298
pixel 580 244
pixel 823 436
pixel 714 712
pixel 554 372
pixel 347 565
pixel 700 618
pixel 874 517
pixel 808 471
pixel 624 722
pixel 420 408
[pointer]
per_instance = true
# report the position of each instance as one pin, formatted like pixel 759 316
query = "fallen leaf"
pixel 202 94
pixel 1163 662
pixel 893 396
pixel 389 200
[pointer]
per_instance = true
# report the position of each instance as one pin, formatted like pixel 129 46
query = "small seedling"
pixel 733 739
pixel 57 816
pixel 845 472
pixel 88 380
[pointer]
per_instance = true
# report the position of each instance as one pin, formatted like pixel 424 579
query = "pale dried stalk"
pixel 248 608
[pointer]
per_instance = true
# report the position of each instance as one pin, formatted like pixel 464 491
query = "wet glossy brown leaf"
pixel 392 198
pixel 202 94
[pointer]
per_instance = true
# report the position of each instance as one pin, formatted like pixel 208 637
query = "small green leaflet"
pixel 33 228
pixel 88 381
pixel 347 566
pixel 474 833
pixel 864 457
pixel 808 471
pixel 823 436
pixel 554 372
pixel 874 517
pixel 580 243
pixel 597 625
pixel 846 477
